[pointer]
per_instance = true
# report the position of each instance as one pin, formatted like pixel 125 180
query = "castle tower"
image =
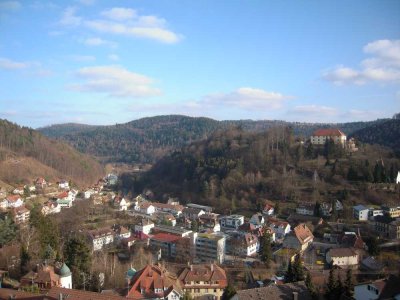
pixel 65 277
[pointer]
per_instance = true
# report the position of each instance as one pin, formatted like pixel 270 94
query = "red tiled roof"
pixel 204 272
pixel 328 132
pixel 303 233
pixel 62 195
pixel 165 237
pixel 13 198
pixel 80 295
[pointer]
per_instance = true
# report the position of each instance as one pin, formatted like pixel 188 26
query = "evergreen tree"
pixel 310 285
pixel 348 283
pixel 334 215
pixel 25 259
pixel 317 209
pixel 78 257
pixel 378 173
pixel 277 209
pixel 195 226
pixel 289 276
pixel 266 254
pixel 310 153
pixel 331 285
pixel 229 292
pixel 298 269
pixel 352 174
pixel 339 287
pixel 7 231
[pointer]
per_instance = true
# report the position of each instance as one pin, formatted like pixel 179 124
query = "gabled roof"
pixel 282 291
pixel 328 132
pixel 165 237
pixel 150 277
pixel 62 195
pixel 342 252
pixel 72 294
pixel 203 272
pixel 302 233
pixel 98 233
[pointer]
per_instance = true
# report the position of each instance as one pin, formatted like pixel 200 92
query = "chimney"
pixel 295 296
pixel 191 267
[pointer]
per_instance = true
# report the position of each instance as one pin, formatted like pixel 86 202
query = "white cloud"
pixel 384 66
pixel 99 42
pixel 119 13
pixel 12 64
pixel 314 109
pixel 115 81
pixel 113 57
pixel 69 18
pixel 10 5
pixel 245 98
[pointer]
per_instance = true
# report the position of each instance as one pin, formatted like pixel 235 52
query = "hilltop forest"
pixel 26 154
pixel 237 169
pixel 149 139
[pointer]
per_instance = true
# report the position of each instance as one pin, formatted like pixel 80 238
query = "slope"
pixel 26 154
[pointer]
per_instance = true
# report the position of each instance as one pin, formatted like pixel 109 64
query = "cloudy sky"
pixel 107 62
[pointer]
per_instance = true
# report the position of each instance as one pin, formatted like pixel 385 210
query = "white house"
pixel 342 257
pixel 100 238
pixel 145 226
pixel 51 207
pixel 257 220
pixel 89 193
pixel 14 201
pixel 320 136
pixel 18 190
pixel 65 199
pixel 281 228
pixel 63 184
pixel 252 245
pixel 268 210
pixel 121 203
pixel 232 221
pixel 360 212
pixel 305 209
pixel 21 215
pixel 388 288
pixel 147 208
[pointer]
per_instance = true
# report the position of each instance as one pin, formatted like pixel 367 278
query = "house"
pixel 371 264
pixel 210 221
pixel 14 201
pixel 257 220
pixel 232 221
pixel 89 193
pixel 121 232
pixel 326 208
pixel 173 208
pixel 155 282
pixel 165 242
pixel 342 257
pixel 391 211
pixel 147 208
pixel 205 281
pixel 18 190
pixel 258 232
pixel 268 210
pixel 111 179
pixel 3 204
pixel 175 230
pixel 63 184
pixel 296 219
pixel 300 238
pixel 388 288
pixel 360 212
pixel 44 279
pixel 207 209
pixel 387 227
pixel 296 291
pixel 20 215
pixel 374 212
pixel 144 226
pixel 352 240
pixel 100 238
pixel 320 136
pixel 120 203
pixel 50 207
pixel 209 247
pixel 192 213
pixel 306 209
pixel 281 228
pixel 251 243
pixel 40 183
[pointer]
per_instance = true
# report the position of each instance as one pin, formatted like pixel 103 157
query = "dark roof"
pixel 278 292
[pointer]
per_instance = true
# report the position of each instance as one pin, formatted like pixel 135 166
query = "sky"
pixel 107 62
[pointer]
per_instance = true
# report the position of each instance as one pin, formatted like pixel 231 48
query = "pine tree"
pixel 78 257
pixel 25 259
pixel 298 269
pixel 317 209
pixel 289 273
pixel 348 283
pixel 339 287
pixel 310 285
pixel 331 285
pixel 266 254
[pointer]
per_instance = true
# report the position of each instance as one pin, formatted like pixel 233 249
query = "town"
pixel 114 246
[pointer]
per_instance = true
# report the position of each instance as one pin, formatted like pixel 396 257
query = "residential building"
pixel 100 238
pixel 210 221
pixel 360 212
pixel 300 238
pixel 174 209
pixel 18 190
pixel 257 220
pixel 296 219
pixel 268 210
pixel 374 212
pixel 305 209
pixel 120 203
pixel 342 257
pixel 351 240
pixel 40 183
pixel 155 282
pixel 14 201
pixel 391 211
pixel 387 227
pixel 206 281
pixel 232 221
pixel 205 208
pixel 388 288
pixel 175 230
pixel 281 228
pixel 50 207
pixel 144 226
pixel 320 136
pixel 147 208
pixel 192 213
pixel 20 215
pixel 48 276
pixel 63 184
pixel 209 247
pixel 296 291
pixel 165 242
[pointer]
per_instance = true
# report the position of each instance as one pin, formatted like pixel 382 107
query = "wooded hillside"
pixel 26 154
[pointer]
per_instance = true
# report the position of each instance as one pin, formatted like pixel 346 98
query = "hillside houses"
pixel 299 239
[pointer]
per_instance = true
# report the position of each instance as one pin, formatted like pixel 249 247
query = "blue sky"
pixel 107 62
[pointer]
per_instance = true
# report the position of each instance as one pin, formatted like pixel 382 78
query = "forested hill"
pixel 26 154
pixel 384 133
pixel 238 169
pixel 147 140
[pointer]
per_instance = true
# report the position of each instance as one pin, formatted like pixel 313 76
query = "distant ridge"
pixel 148 139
